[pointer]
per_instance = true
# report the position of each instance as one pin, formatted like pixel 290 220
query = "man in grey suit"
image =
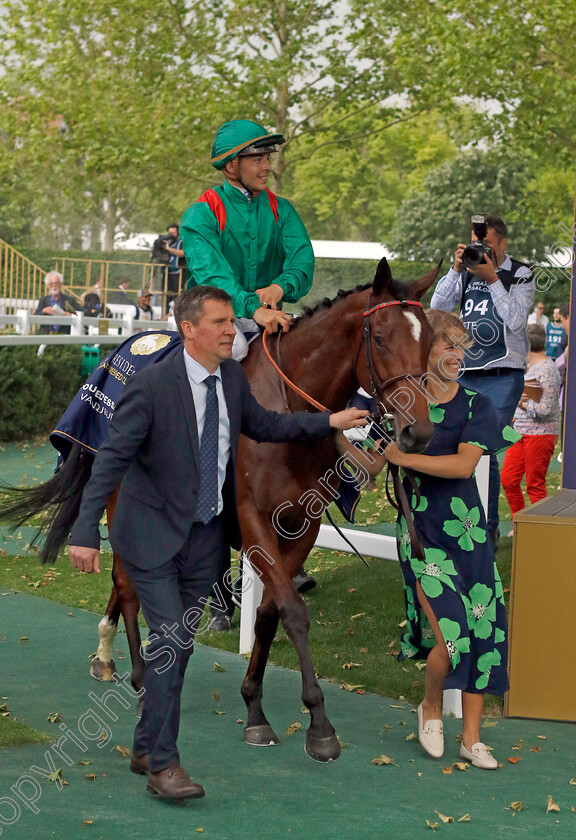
pixel 173 443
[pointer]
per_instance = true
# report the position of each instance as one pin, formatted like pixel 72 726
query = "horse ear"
pixel 382 278
pixel 418 287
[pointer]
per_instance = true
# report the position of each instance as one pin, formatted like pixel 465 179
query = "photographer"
pixel 494 295
pixel 177 274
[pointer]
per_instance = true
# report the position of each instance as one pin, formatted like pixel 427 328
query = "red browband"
pixel 393 303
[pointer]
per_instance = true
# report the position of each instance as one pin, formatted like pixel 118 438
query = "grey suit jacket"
pixel 153 449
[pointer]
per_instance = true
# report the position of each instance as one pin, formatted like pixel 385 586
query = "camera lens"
pixel 472 256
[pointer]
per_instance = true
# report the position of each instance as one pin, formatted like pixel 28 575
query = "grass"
pixel 16 734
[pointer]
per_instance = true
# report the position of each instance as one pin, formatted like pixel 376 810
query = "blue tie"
pixel 208 495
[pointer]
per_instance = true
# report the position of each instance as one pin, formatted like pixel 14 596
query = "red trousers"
pixel 531 455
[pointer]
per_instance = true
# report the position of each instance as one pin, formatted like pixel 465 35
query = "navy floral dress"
pixel 459 575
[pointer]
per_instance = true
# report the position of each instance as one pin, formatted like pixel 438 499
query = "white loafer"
pixel 479 756
pixel 431 735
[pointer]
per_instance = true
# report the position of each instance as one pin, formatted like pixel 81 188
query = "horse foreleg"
pixel 322 743
pixel 258 731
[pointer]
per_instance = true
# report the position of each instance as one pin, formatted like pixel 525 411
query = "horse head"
pixel 397 342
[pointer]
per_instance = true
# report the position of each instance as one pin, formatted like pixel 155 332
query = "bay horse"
pixel 376 337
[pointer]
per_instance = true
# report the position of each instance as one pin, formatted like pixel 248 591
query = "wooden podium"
pixel 542 661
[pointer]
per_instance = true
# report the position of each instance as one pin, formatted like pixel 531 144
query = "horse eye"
pixel 379 342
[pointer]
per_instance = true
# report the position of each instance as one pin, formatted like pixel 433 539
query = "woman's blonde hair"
pixel 446 325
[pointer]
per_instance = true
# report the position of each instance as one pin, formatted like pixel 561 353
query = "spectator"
pixel 537 418
pixel 494 299
pixel 538 316
pixel 555 335
pixel 143 309
pixel 177 274
pixel 561 362
pixel 55 302
pixel 120 295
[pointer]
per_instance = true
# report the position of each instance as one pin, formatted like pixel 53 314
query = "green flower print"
pixel 481 610
pixel 455 644
pixel 435 413
pixel 499 635
pixel 508 433
pixel 410 605
pixel 434 572
pixel 403 541
pixel 485 664
pixel 466 526
pixel 408 649
pixel 477 443
pixel 428 637
pixel 498 590
pixel 422 504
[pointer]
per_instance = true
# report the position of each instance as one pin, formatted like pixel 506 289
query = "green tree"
pixel 431 221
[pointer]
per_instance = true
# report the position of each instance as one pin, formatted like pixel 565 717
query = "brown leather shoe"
pixel 139 764
pixel 174 783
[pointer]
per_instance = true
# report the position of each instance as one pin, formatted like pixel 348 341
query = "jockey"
pixel 246 240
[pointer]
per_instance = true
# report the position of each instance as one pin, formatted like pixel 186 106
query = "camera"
pixel 159 252
pixel 475 254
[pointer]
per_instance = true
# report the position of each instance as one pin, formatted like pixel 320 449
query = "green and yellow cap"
pixel 242 137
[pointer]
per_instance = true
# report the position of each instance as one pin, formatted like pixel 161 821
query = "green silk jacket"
pixel 241 245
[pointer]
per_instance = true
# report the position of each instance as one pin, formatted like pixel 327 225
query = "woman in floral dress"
pixel 454 598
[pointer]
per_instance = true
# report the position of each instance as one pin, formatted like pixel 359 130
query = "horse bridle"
pixel 377 387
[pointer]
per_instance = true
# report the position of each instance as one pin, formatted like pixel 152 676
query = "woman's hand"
pixel 394 455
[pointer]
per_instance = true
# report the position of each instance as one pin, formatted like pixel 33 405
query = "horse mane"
pixel 396 290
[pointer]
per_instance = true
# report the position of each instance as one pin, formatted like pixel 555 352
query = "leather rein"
pixel 377 388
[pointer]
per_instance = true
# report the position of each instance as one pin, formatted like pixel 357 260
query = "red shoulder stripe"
pixel 273 199
pixel 215 203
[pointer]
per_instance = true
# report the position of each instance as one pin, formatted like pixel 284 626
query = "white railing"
pixel 124 324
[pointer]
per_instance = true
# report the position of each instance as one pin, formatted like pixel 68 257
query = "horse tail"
pixel 57 500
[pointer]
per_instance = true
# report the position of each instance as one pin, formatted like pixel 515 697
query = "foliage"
pixel 35 390
pixel 354 187
pixel 432 221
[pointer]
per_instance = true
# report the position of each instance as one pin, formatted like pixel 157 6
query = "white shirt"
pixel 196 375
pixel 532 319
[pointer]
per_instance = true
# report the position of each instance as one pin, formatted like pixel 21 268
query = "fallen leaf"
pixel 535 749
pixel 383 759
pixel 396 707
pixel 432 825
pixel 420 665
pixel 216 695
pixel 91 777
pixel 24 639
pixel 217 712
pixel 411 737
pixel 83 763
pixel 515 760
pixel 420 774
pixel 4 707
pixel 542 737
pixel 403 623
pixel 54 717
pixel 447 771
pixel 573 781
pixel 363 650
pixel 551 805
pixel 219 668
pixel 87 822
pixel 103 737
pixel 444 818
pixel 461 765
pixel 519 745
pixel 124 751
pixel 358 615
pixel 351 590
pixel 518 805
pixel 57 774
pixel 360 691
pixel 465 818
pixel 294 727
pixel 349 665
pixel 201 829
pixel 348 687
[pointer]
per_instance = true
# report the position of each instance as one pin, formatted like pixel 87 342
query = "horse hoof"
pixel 103 671
pixel 323 749
pixel 260 736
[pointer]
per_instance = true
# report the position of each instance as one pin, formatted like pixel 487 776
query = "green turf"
pixel 13 733
pixel 268 793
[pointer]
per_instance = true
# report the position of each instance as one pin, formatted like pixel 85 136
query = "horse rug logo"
pixel 148 344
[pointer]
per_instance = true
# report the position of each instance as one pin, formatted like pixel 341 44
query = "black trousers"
pixel 173 598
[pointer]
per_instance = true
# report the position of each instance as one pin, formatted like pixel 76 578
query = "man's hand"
pixel 271 295
pixel 487 270
pixel 349 419
pixel 458 264
pixel 85 559
pixel 272 319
